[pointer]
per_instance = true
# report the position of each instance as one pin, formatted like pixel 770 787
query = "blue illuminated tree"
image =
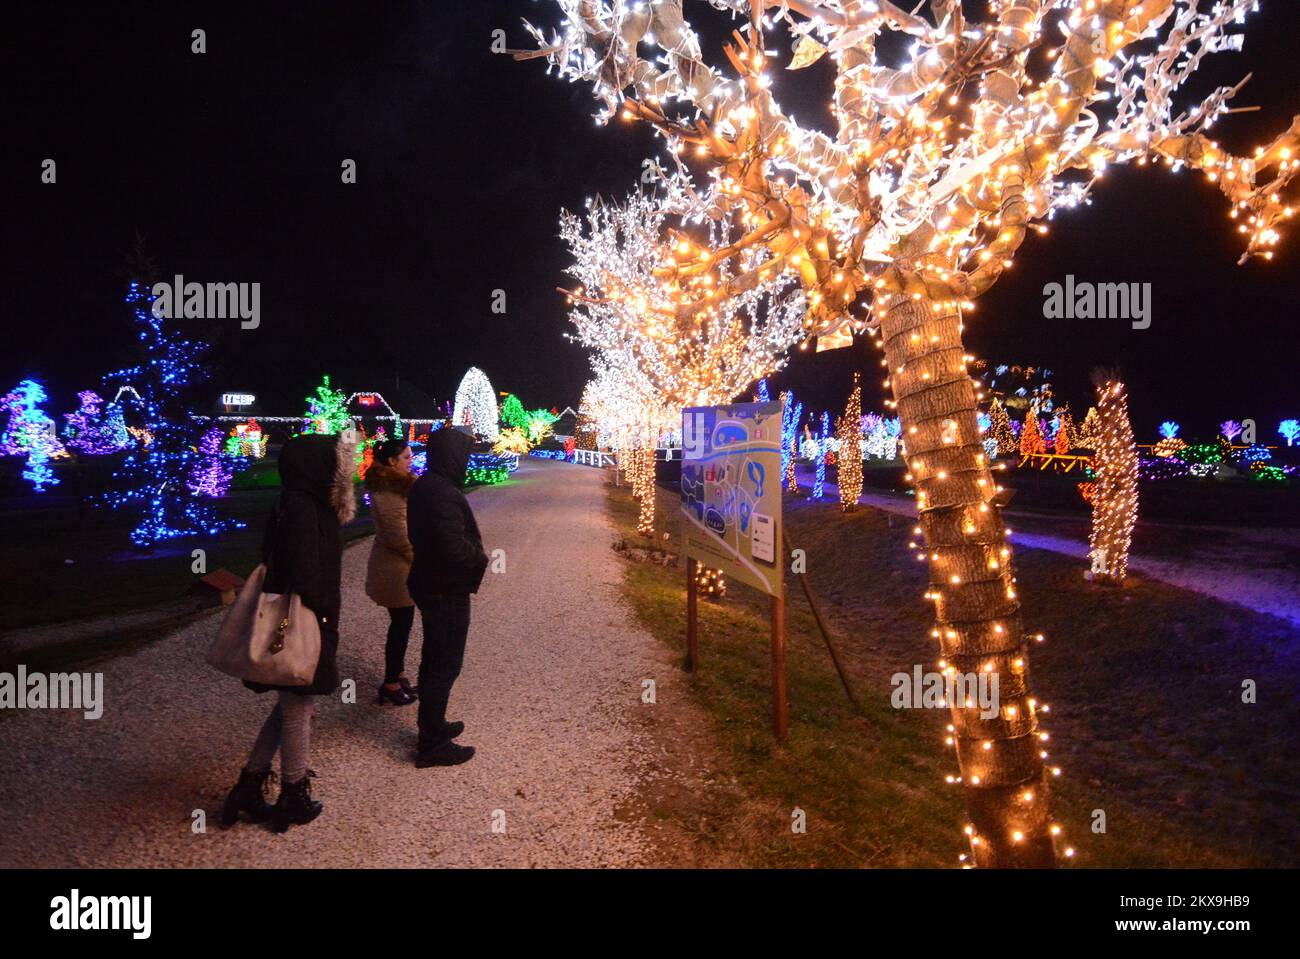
pixel 30 433
pixel 823 442
pixel 791 413
pixel 153 481
pixel 94 431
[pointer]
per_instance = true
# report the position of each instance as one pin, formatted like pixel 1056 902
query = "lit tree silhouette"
pixel 153 481
pixel 29 432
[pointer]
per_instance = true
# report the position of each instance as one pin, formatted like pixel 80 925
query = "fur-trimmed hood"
pixel 385 479
pixel 322 467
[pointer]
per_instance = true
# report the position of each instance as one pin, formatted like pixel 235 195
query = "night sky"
pixel 228 164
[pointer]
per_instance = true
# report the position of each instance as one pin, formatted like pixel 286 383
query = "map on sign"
pixel 731 490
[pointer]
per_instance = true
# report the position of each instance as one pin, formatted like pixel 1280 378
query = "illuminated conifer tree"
pixel 849 431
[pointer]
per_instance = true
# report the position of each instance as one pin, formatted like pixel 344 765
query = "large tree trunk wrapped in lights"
pixel 977 614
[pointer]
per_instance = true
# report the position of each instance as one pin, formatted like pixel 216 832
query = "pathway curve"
pixel 553 669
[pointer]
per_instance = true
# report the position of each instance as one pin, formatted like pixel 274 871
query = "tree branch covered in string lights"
pixel 936 171
pixel 697 338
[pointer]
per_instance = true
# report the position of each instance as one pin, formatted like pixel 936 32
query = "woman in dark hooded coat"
pixel 303 553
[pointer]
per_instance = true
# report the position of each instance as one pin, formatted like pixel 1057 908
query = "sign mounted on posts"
pixel 731 491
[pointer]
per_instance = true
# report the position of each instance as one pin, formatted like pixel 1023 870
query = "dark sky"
pixel 228 163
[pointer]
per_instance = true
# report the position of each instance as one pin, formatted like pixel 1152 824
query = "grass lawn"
pixel 61 563
pixel 1144 683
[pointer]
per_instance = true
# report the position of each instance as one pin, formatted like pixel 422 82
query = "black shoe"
pixel 406 685
pixel 448 732
pixel 248 797
pixel 295 807
pixel 448 754
pixel 398 697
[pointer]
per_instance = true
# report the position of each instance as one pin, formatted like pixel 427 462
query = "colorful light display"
pixel 94 431
pixel 327 410
pixel 153 480
pixel 476 405
pixel 30 433
pixel 791 414
pixel 212 470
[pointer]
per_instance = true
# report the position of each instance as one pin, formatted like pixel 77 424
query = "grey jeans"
pixel 288 729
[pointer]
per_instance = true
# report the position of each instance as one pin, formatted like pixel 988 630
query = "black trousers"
pixel 400 620
pixel 446 627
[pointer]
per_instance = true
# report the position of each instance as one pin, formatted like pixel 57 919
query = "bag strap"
pixel 273 537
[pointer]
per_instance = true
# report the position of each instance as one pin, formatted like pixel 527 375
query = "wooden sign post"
pixel 731 504
pixel 780 707
pixel 692 617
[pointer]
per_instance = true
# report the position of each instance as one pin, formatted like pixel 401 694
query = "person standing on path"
pixel 389 482
pixel 448 566
pixel 303 553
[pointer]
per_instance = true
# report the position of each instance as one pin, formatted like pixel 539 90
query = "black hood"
pixel 448 455
pixel 321 466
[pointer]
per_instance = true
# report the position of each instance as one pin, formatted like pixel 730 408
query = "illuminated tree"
pixel 513 413
pixel 630 416
pixel 1031 435
pixel 327 410
pixel 1064 432
pixel 791 413
pixel 821 449
pixel 1169 443
pixel 932 176
pixel 93 431
pixel 153 481
pixel 539 423
pixel 29 432
pixel 1090 430
pixel 882 434
pixel 212 470
pixel 1000 428
pixel 476 405
pixel 1289 430
pixel 512 440
pixel 1115 461
pixel 635 308
pixel 849 431
pixel 1230 430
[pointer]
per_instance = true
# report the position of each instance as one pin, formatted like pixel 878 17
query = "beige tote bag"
pixel 268 638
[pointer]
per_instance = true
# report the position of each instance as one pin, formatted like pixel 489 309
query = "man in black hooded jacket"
pixel 448 566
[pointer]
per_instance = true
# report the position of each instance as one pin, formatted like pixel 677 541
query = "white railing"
pixel 593 458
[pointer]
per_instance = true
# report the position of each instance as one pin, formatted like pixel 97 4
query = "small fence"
pixel 599 459
pixel 594 458
pixel 1055 462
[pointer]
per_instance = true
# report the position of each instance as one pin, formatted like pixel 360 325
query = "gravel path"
pixel 552 673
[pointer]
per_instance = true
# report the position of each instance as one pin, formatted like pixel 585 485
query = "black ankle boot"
pixel 248 796
pixel 295 807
